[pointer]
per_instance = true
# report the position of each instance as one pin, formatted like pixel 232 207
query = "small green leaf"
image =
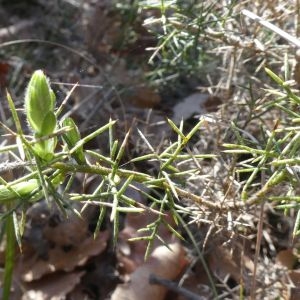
pixel 275 77
pixel 48 124
pixel 21 189
pixel 45 149
pixel 17 230
pixel 72 137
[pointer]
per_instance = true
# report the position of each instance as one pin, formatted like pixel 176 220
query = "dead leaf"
pixel 196 281
pixel 295 293
pixel 70 232
pixel 286 258
pixel 78 293
pixel 222 263
pixel 53 287
pixel 295 277
pixel 48 228
pixel 212 103
pixel 132 253
pixel 63 259
pixel 144 97
pixel 164 262
pixel 295 290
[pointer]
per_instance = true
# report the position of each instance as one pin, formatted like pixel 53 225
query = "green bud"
pixel 45 149
pixel 72 137
pixel 23 189
pixel 39 108
pixel 39 103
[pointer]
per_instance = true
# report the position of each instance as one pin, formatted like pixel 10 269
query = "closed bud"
pixel 72 137
pixel 39 104
pixel 39 108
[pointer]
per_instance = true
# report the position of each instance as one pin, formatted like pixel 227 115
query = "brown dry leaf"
pixel 61 259
pixel 53 287
pixel 196 281
pixel 78 293
pixel 101 39
pixel 47 228
pixel 144 97
pixel 70 232
pixel 295 278
pixel 212 103
pixel 286 258
pixel 111 37
pixel 295 293
pixel 132 253
pixel 164 263
pixel 222 263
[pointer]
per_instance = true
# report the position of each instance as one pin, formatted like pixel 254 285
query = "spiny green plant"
pixel 54 153
pixel 277 157
pixel 181 28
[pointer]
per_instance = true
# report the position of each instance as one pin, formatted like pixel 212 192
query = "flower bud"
pixel 72 137
pixel 39 104
pixel 39 108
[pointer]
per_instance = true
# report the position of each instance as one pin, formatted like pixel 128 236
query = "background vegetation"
pixel 183 131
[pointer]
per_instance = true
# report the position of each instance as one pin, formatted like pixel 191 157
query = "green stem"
pixel 9 257
pixel 98 169
pixel 136 176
